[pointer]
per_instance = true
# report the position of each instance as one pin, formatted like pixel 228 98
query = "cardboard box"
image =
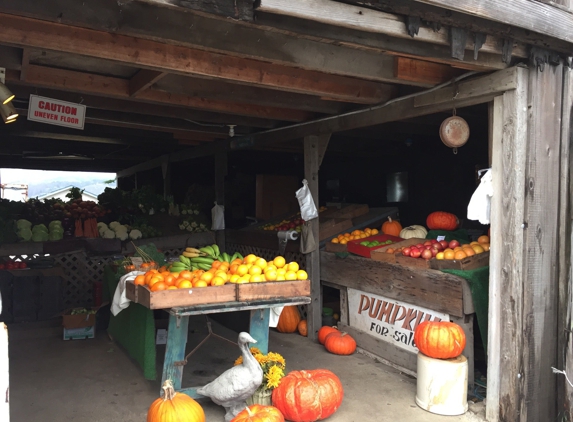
pixel 470 263
pixel 355 247
pixel 335 247
pixel 164 299
pixel 80 326
pixel 79 333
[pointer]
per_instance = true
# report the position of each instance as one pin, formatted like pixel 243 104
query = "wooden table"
pixel 175 358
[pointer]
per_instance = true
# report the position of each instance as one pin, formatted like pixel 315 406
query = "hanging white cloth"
pixel 274 316
pixel 120 300
pixel 479 207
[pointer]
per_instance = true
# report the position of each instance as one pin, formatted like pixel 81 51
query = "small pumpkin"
pixel 391 227
pixel 174 407
pixel 303 328
pixel 308 396
pixel 289 319
pixel 259 413
pixel 340 343
pixel 440 220
pixel 440 340
pixel 325 331
pixel 413 231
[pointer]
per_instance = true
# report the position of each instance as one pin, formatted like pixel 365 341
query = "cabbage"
pixel 25 234
pixel 57 229
pixel 55 223
pixel 40 236
pixel 56 235
pixel 40 227
pixel 23 224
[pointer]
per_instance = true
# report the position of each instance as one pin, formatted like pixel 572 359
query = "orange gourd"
pixel 303 328
pixel 391 227
pixel 324 332
pixel 340 343
pixel 175 407
pixel 289 319
pixel 440 220
pixel 259 413
pixel 440 340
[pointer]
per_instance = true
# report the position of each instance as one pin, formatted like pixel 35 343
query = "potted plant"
pixel 273 365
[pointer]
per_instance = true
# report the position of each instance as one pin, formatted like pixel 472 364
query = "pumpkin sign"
pixel 308 396
pixel 440 220
pixel 303 328
pixel 174 407
pixel 259 413
pixel 440 340
pixel 413 231
pixel 289 319
pixel 391 227
pixel 340 343
pixel 324 331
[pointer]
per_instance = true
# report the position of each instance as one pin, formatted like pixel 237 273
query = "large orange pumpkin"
pixel 440 220
pixel 391 227
pixel 289 319
pixel 324 332
pixel 440 340
pixel 174 407
pixel 259 413
pixel 340 343
pixel 308 396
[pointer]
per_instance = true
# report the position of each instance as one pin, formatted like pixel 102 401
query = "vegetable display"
pixel 173 407
pixel 308 396
pixel 440 220
pixel 391 227
pixel 288 320
pixel 344 238
pixel 340 343
pixel 440 340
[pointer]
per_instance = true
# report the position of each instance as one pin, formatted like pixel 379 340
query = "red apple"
pixel 406 251
pixel 434 251
pixel 415 253
pixel 427 254
pixel 438 246
pixel 434 241
pixel 453 244
pixel 444 244
pixel 427 243
pixel 420 246
pixel 427 247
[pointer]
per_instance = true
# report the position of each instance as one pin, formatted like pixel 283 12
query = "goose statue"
pixel 235 385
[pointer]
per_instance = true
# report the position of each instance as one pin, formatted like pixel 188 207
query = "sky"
pixel 29 176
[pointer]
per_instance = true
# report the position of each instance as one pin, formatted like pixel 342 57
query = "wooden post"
pixel 314 147
pixel 506 263
pixel 4 372
pixel 220 173
pixel 175 350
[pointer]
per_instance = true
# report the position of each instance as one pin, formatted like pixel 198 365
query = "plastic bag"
pixel 308 209
pixel 307 241
pixel 218 217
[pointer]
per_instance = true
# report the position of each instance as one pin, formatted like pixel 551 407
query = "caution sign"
pixel 56 112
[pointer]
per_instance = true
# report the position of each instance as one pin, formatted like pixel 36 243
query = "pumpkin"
pixel 289 319
pixel 340 343
pixel 308 396
pixel 413 231
pixel 303 328
pixel 174 407
pixel 391 227
pixel 440 340
pixel 259 413
pixel 325 331
pixel 441 220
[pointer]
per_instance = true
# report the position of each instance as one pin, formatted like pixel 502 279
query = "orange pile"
pixel 344 238
pixel 251 269
pixel 463 251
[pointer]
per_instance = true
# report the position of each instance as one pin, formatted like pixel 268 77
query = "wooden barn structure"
pixel 166 81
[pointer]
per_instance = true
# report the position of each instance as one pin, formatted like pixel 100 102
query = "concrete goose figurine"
pixel 235 385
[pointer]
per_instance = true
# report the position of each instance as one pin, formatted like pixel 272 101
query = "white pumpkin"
pixel 413 231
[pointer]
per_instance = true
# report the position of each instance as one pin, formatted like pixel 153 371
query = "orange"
pixel 158 286
pixel 301 275
pixel 485 246
pixel 184 284
pixel 154 280
pixel 355 232
pixel 197 273
pixel 206 277
pixel 170 280
pixel 293 266
pixel 147 277
pixel 440 255
pixel 176 275
pixel 246 277
pixel 162 268
pixel 270 267
pixel 237 261
pixel 172 288
pixel 257 278
pixel 218 281
pixel 279 262
pixel 291 275
pixel 469 251
pixel 242 280
pixel 280 277
pixel 343 242
pixel 242 270
pixel 281 271
pixel 478 248
pixel 139 280
pixel 261 263
pixel 234 278
pixel 483 239
pixel 216 264
pixel 200 283
pixel 187 275
pixel 165 273
pixel 254 270
pixel 374 231
pixel 460 255
pixel 270 275
pixel 250 259
pixel 334 240
pixel 449 254
pixel 367 230
pixel 233 268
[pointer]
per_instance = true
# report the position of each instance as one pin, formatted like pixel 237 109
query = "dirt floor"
pixel 94 380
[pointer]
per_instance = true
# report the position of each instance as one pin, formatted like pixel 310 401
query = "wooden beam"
pixel 25 63
pixel 367 20
pixel 148 165
pixel 432 13
pixel 407 69
pixel 144 79
pixel 68 80
pixel 236 9
pixel 186 61
pixel 529 15
pixel 493 85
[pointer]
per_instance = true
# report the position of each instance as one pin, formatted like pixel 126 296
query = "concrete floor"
pixel 94 380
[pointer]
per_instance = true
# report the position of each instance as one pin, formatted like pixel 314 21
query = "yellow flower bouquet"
pixel 273 365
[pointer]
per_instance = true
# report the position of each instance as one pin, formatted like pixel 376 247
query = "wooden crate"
pixel 381 255
pixel 272 290
pixel 131 291
pixel 469 263
pixel 185 297
pixel 332 226
pixel 335 247
pixel 407 261
pixel 348 211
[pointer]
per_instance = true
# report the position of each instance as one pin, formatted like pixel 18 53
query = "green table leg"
pixel 175 350
pixel 259 328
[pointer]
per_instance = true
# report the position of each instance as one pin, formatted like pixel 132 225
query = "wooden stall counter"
pixel 382 303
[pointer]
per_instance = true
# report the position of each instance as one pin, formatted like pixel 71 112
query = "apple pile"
pixel 80 209
pixel 427 250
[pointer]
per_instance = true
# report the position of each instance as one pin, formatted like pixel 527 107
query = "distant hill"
pixel 36 189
